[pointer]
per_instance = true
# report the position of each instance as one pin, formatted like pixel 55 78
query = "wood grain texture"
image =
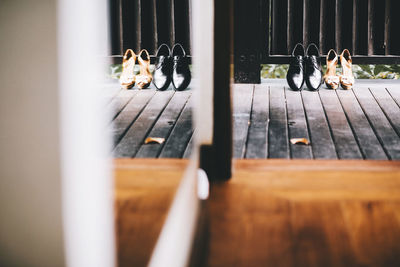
pixel 306 213
pixel 176 144
pixel 388 106
pixel 144 190
pixel 369 143
pixel 383 129
pixel 394 93
pixel 164 125
pixel 257 146
pixel 129 115
pixel 319 130
pixel 278 144
pixel 118 102
pixel 297 124
pixel 135 135
pixel 242 101
pixel 267 115
pixel 345 143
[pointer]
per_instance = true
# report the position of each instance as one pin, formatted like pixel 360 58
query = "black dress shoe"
pixel 295 74
pixel 163 68
pixel 313 71
pixel 181 75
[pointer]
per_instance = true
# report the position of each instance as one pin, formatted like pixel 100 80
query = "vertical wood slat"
pixel 115 26
pixel 264 28
pixel 130 18
pixel 306 22
pixel 310 22
pixel 387 27
pixel 338 26
pixel 327 26
pixel 138 25
pixel 181 23
pixel 394 27
pixel 279 27
pixel 165 22
pixel 148 27
pixel 395 24
pixel 190 27
pixel 294 24
pixel 371 6
pixel 355 27
pixel 360 27
pixel 172 23
pixel 376 27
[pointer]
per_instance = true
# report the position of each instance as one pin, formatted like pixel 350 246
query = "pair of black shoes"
pixel 305 67
pixel 171 66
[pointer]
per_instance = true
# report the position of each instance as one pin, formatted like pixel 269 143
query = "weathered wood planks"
pixel 363 123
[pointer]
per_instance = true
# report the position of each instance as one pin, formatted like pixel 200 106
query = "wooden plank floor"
pixel 306 213
pixel 271 213
pixel 363 123
pixel 144 190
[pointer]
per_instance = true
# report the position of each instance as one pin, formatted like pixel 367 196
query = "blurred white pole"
pixel 203 65
pixel 30 177
pixel 174 245
pixel 86 170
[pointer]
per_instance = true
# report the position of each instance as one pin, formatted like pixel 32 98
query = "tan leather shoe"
pixel 330 77
pixel 127 79
pixel 347 78
pixel 143 79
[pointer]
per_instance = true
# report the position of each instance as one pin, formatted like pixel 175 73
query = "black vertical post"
pixel 216 159
pixel 222 138
pixel 247 50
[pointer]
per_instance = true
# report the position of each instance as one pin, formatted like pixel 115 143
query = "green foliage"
pixel 114 71
pixel 274 71
pixel 360 71
pixel 376 71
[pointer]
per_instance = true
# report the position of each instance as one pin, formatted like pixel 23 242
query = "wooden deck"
pixel 271 213
pixel 363 123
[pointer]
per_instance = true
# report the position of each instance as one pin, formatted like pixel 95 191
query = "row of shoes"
pixel 170 66
pixel 305 67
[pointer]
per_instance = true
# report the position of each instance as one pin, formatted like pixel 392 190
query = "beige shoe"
pixel 347 78
pixel 143 79
pixel 330 77
pixel 127 79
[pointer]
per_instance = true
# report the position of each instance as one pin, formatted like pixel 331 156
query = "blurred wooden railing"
pixel 146 24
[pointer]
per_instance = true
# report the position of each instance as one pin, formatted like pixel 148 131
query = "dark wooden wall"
pixel 146 24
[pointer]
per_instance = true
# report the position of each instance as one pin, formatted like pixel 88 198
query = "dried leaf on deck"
pixel 303 141
pixel 152 140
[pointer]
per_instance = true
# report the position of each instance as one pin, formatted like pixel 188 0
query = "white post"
pixel 87 184
pixel 174 246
